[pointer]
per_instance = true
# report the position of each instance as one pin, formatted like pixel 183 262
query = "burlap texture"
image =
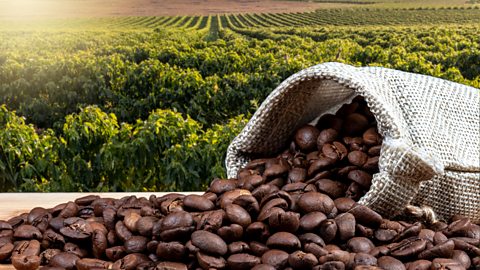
pixel 431 128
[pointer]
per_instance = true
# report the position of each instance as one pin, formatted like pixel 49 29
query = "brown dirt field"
pixel 26 9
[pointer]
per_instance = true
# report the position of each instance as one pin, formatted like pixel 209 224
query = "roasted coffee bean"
pixel 462 257
pixel 335 150
pixel 173 251
pixel 328 230
pixel 364 259
pixel 130 261
pixel 334 189
pixel 130 220
pixel 326 136
pixel 371 137
pixel 198 203
pixel 144 225
pixel 209 243
pixel 5 250
pixel 441 263
pixel 99 243
pixel 176 225
pixel 70 210
pixel 357 158
pixel 315 201
pixel 276 258
pixel 115 253
pixel 366 216
pixel 360 177
pixel 87 264
pixel 22 262
pixel 263 267
pixel 346 226
pixel 76 228
pixel 284 221
pixel 302 260
pixel 242 261
pixel 284 241
pixel 306 138
pixel 209 262
pixel 238 247
pixel 171 266
pixel 360 244
pixel 419 265
pixel 27 232
pixel 311 221
pixel 136 244
pixel 27 248
pixel 390 263
pixel 231 233
pixel 355 124
pixel 443 250
pixel 75 249
pixel 408 248
pixel 65 260
pixel 236 214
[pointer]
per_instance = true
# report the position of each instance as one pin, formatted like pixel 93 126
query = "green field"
pixel 151 103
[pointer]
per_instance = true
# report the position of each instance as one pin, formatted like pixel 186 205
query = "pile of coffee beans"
pixel 297 210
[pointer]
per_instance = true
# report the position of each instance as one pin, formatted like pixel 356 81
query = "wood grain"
pixel 12 204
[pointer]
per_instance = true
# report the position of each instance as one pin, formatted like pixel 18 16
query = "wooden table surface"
pixel 12 204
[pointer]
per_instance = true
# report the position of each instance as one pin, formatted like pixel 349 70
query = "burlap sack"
pixel 431 127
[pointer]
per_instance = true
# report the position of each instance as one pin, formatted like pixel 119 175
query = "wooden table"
pixel 12 204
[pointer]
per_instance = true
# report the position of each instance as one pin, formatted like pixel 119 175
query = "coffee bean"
pixel 444 250
pixel 87 264
pixel 390 263
pixel 326 136
pixel 136 244
pixel 408 248
pixel 346 226
pixel 27 232
pixel 76 228
pixel 263 267
pixel 209 262
pixel 315 201
pixel 302 260
pixel 238 247
pixel 306 137
pixel 335 150
pixel 461 257
pixel 242 261
pixel 284 221
pixel 231 233
pixel 22 262
pixel 360 244
pixel 65 260
pixel 284 241
pixel 173 251
pixel 364 259
pixel 171 266
pixel 276 258
pixel 366 216
pixel 328 230
pixel 236 214
pixel 440 263
pixel 357 158
pixel 355 123
pixel 333 189
pixel 419 265
pixel 360 177
pixel 209 243
pixel 311 221
pixel 27 248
